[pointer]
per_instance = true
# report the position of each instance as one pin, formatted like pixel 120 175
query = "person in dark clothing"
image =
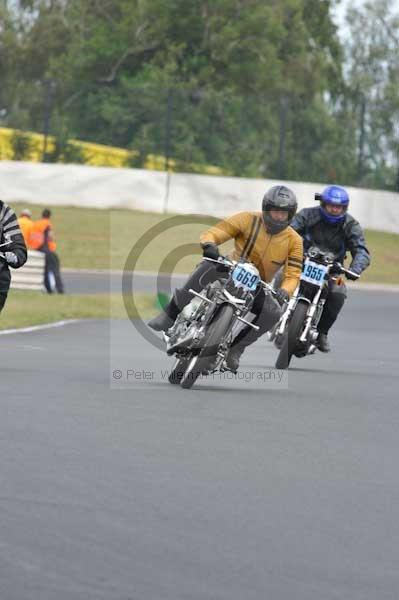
pixel 13 251
pixel 42 239
pixel 330 227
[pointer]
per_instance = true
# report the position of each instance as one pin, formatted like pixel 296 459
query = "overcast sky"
pixel 340 11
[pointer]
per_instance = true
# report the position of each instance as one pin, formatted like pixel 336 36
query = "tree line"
pixel 257 88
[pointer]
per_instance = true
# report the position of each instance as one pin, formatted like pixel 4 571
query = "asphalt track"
pixel 236 490
pixel 102 282
pixel 91 282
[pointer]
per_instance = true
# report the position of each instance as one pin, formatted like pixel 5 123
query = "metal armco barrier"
pixel 31 275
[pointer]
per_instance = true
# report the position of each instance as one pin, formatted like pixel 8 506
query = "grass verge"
pixel 24 309
pixel 102 239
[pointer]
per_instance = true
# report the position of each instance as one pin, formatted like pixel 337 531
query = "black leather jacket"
pixel 9 228
pixel 338 238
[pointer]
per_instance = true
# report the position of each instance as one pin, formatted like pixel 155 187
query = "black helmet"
pixel 278 197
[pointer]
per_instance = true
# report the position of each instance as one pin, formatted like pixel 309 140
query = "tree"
pixel 255 87
pixel 373 88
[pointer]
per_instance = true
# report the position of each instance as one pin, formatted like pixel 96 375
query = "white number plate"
pixel 313 272
pixel 246 276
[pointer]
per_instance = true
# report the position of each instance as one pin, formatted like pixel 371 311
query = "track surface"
pixel 95 282
pixel 229 491
pixel 81 282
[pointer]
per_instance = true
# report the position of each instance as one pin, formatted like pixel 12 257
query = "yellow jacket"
pixel 267 252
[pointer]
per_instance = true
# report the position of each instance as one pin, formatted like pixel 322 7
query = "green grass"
pixel 103 239
pixel 384 249
pixel 26 308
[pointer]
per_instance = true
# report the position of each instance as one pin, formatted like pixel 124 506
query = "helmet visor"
pixel 278 215
pixel 335 210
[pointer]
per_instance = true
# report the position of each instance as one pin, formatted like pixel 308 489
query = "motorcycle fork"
pixel 288 312
pixel 225 344
pixel 309 318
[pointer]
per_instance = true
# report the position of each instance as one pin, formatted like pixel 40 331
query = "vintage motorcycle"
pixel 204 330
pixel 296 332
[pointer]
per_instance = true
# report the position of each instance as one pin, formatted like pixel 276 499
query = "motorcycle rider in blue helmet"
pixel 330 227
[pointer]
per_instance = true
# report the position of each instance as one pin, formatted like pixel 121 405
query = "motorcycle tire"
pixel 178 370
pixel 295 327
pixel 216 332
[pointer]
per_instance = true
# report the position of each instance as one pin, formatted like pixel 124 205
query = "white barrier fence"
pixel 104 187
pixel 31 275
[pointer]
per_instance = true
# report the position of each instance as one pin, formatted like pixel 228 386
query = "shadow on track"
pixel 200 388
pixel 239 390
pixel 334 372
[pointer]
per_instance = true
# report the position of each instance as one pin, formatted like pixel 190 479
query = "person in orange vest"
pixel 26 225
pixel 42 239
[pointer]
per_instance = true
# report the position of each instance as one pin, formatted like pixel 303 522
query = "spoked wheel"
pixel 202 361
pixel 292 334
pixel 179 368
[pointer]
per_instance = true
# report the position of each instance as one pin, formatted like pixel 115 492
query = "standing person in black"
pixel 42 239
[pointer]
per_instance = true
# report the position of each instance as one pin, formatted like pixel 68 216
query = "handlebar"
pixel 346 271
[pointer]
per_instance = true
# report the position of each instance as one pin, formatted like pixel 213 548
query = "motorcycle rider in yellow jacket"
pixel 266 240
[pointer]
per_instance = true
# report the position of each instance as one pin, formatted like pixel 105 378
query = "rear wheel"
pixel 295 327
pixel 216 332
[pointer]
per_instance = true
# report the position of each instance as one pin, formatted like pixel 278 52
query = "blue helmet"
pixel 337 196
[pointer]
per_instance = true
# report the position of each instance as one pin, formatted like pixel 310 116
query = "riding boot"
pixel 166 318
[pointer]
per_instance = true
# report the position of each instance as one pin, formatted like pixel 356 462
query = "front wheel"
pixel 216 332
pixel 178 370
pixel 295 327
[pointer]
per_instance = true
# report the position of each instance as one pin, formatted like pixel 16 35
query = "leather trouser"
pixel 335 301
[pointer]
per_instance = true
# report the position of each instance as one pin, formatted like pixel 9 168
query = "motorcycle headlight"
pixel 313 252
